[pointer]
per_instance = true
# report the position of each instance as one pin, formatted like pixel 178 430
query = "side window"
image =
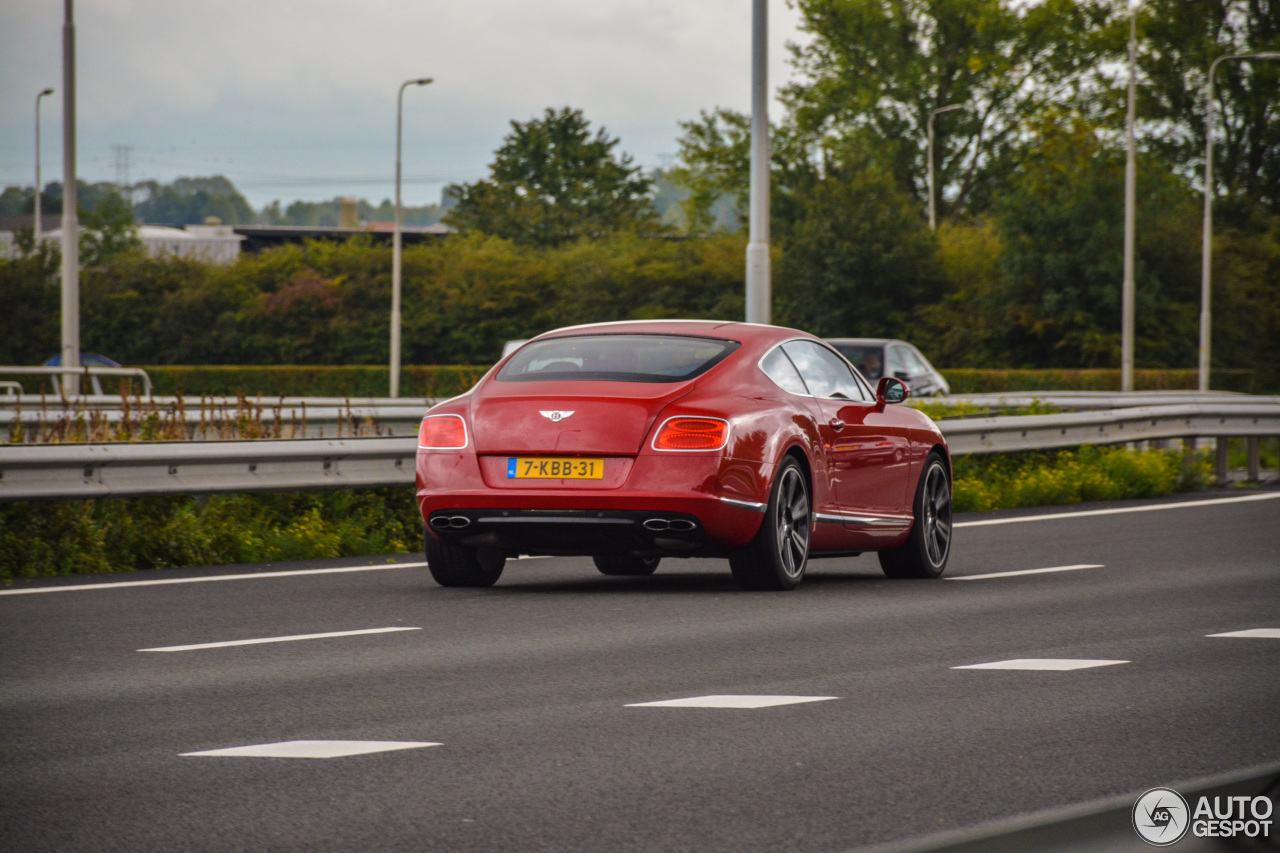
pixel 825 373
pixel 779 368
pixel 915 365
pixel 894 363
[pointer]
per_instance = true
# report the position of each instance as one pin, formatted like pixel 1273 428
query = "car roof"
pixel 738 331
pixel 864 342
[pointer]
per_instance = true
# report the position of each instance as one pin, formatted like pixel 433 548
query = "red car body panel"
pixel 862 473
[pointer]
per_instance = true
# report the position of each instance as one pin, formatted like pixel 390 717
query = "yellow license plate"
pixel 554 468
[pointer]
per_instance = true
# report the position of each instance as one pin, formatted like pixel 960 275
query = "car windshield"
pixel 868 359
pixel 616 358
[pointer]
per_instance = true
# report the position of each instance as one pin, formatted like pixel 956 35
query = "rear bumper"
pixel 594 524
pixel 691 505
pixel 573 531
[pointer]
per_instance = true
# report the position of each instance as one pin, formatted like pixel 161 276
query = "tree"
pixel 1179 40
pixel 875 70
pixel 108 231
pixel 715 163
pixel 553 182
pixel 1062 233
pixel 188 201
pixel 858 260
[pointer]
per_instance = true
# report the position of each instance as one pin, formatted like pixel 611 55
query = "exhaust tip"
pixel 675 525
pixel 450 522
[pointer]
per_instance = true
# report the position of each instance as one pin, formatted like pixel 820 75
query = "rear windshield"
pixel 616 358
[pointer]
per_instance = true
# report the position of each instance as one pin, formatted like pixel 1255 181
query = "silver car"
pixel 877 357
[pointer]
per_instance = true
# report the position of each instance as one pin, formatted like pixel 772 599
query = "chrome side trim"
pixel 861 520
pixel 751 505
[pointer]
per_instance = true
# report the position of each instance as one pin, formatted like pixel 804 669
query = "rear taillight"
pixel 692 434
pixel 442 432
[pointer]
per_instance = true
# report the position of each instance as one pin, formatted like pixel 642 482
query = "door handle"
pixel 836 424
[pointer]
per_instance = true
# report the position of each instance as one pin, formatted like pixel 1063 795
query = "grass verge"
pixel 83 537
pixel 1050 478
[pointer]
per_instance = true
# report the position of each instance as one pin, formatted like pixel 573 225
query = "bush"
pixel 88 537
pixel 1072 476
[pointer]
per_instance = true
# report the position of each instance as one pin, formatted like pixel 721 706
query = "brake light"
pixel 692 434
pixel 442 432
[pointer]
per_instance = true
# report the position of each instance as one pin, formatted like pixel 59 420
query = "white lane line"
pixel 277 640
pixel 250 577
pixel 1269 496
pixel 741 701
pixel 312 748
pixel 1055 664
pixel 1264 633
pixel 1024 572
pixel 166 581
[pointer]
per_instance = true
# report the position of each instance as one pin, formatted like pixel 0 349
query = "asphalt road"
pixel 527 689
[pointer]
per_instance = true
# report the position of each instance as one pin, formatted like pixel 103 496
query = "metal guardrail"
pixel 36 472
pixel 1099 399
pixel 393 416
pixel 1115 426
pixel 57 471
pixel 88 371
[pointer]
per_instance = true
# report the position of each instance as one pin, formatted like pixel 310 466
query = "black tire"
pixel 776 558
pixel 458 565
pixel 625 565
pixel 925 553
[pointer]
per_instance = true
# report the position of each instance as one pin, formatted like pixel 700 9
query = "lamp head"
pixel 423 81
pixel 45 92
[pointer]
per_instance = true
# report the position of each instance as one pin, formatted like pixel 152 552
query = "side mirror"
pixel 891 390
pixel 902 374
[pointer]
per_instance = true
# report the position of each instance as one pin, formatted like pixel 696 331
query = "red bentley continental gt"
pixel 631 442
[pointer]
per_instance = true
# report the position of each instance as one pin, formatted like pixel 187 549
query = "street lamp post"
pixel 70 216
pixel 1206 252
pixel 758 295
pixel 1130 203
pixel 37 199
pixel 395 246
pixel 933 211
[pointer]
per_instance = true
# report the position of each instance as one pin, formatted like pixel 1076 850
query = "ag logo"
pixel 1161 817
pixel 555 417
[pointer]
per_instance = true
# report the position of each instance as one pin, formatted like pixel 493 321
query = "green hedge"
pixel 974 381
pixel 448 380
pixel 307 381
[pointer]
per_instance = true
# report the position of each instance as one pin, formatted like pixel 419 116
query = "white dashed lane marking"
pixel 1264 633
pixel 276 640
pixel 1056 664
pixel 731 702
pixel 210 578
pixel 249 577
pixel 1024 572
pixel 311 749
pixel 1088 513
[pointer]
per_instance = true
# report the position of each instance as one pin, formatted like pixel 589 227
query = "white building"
pixel 212 242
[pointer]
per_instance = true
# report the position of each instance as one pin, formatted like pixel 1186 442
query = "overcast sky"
pixel 297 99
